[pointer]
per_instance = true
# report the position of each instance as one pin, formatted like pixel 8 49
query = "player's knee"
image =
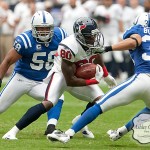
pixel 47 104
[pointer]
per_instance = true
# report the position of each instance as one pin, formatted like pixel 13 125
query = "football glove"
pixel 103 49
pixel 99 73
pixel 111 82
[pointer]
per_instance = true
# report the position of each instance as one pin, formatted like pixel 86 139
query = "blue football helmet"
pixel 87 33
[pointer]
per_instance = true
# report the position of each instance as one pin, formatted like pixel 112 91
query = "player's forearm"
pixel 124 45
pixel 3 69
pixel 99 60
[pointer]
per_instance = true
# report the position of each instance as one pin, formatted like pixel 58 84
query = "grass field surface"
pixel 33 138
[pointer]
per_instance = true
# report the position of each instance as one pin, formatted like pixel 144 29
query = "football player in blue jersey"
pixel 142 19
pixel 33 52
pixel 137 41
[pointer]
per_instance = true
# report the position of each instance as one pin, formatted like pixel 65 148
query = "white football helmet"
pixel 42 19
pixel 143 19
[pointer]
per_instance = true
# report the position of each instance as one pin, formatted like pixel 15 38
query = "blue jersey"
pixel 37 58
pixel 141 55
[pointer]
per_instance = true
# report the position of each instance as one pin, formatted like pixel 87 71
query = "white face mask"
pixel 44 38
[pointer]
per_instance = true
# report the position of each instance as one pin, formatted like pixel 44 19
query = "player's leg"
pixel 88 93
pixel 85 130
pixel 53 115
pixel 123 94
pixel 118 133
pixel 36 111
pixel 12 91
pixel 38 92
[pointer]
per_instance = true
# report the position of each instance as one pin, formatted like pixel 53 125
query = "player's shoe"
pixel 88 134
pixel 9 136
pixel 114 135
pixel 58 135
pixel 50 129
pixel 85 131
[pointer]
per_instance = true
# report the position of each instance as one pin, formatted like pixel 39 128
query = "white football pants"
pixel 135 88
pixel 18 86
pixel 57 86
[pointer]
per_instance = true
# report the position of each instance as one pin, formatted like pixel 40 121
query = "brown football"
pixel 86 71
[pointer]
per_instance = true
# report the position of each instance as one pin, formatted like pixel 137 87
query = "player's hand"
pixel 103 49
pixel 99 73
pixel 99 50
pixel 0 82
pixel 111 82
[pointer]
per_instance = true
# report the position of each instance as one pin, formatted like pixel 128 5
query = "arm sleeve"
pixel 64 33
pixel 66 53
pixel 19 45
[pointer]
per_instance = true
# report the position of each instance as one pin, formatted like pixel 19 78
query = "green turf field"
pixel 33 138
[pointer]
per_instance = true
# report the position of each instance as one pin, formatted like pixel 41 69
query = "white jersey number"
pixel 17 46
pixel 146 56
pixel 39 63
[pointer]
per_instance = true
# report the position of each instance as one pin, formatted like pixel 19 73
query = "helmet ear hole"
pixel 44 21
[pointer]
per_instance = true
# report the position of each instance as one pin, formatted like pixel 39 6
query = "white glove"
pixel 111 82
pixel 103 49
pixel 99 73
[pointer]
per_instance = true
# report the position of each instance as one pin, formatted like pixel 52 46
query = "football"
pixel 86 71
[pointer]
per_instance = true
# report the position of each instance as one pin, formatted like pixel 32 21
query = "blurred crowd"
pixel 112 16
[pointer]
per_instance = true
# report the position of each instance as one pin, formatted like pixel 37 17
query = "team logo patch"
pixel 82 27
pixel 38 47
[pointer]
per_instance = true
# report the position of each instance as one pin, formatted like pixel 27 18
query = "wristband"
pixel 137 43
pixel 105 71
pixel 91 81
pixel 108 48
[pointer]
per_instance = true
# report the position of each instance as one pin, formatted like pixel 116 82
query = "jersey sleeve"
pixel 19 45
pixel 66 53
pixel 60 33
pixel 133 30
pixel 63 33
